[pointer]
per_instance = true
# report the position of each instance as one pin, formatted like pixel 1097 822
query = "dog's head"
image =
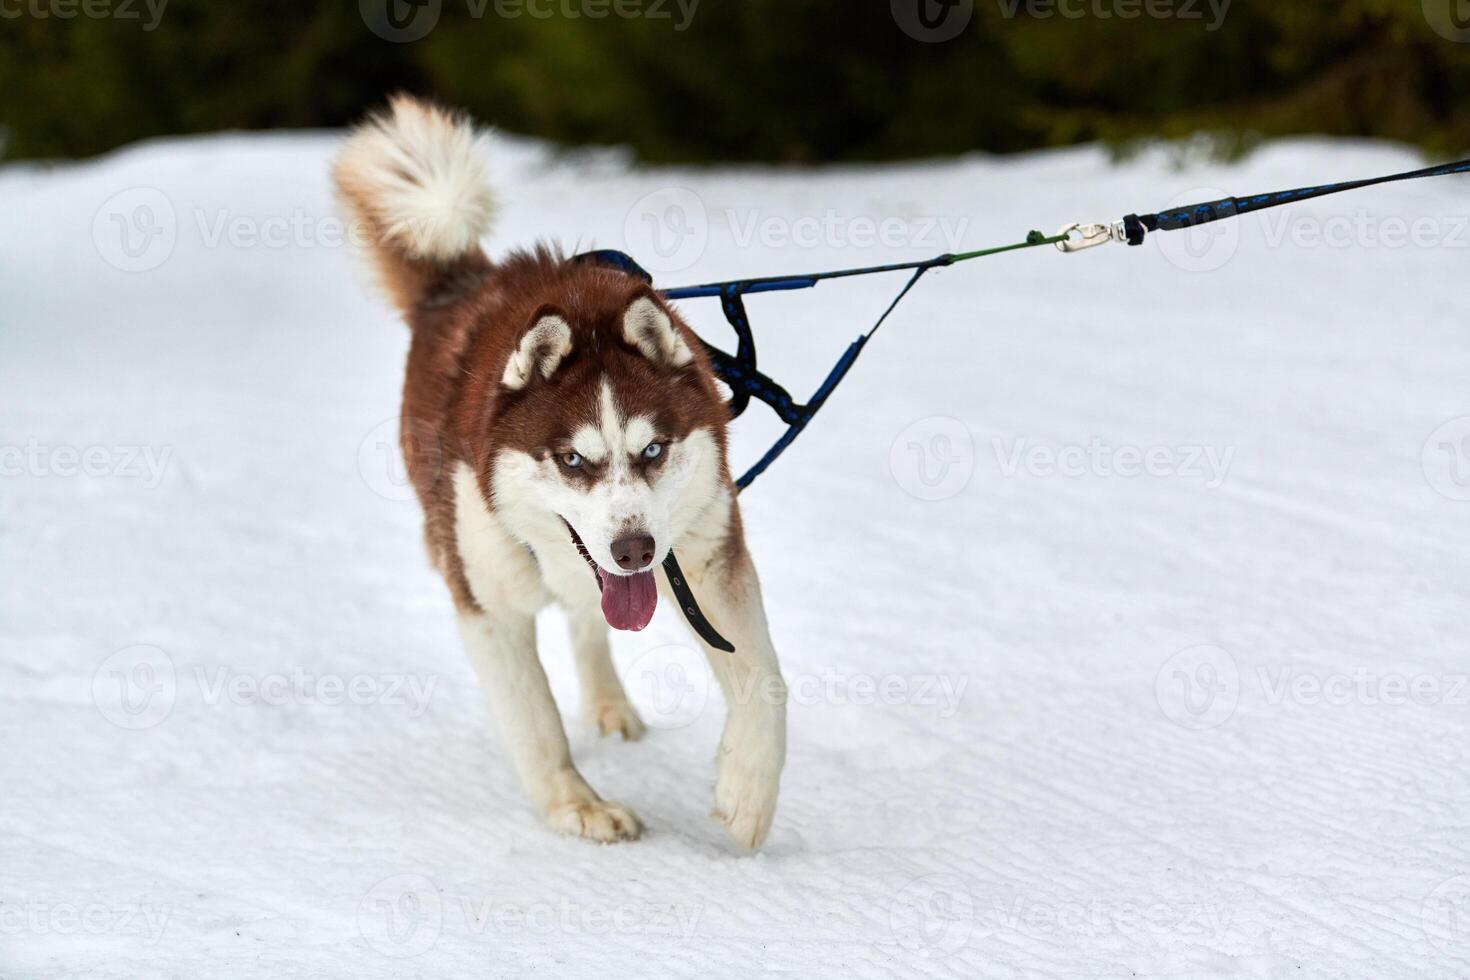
pixel 608 420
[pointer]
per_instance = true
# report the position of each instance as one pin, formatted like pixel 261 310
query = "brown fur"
pixel 512 357
pixel 455 407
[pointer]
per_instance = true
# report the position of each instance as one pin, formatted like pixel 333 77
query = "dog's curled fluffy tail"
pixel 414 181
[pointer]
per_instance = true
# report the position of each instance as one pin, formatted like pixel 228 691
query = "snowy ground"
pixel 1123 595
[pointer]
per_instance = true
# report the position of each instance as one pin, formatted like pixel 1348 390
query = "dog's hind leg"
pixel 604 704
pixel 503 653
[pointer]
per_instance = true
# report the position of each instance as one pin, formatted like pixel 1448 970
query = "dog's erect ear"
pixel 647 326
pixel 540 351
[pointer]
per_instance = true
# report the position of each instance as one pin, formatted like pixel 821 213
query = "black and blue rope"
pixel 746 381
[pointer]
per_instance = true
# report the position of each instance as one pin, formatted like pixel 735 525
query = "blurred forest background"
pixel 775 80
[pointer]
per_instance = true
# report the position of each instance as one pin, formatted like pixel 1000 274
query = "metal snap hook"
pixel 1081 236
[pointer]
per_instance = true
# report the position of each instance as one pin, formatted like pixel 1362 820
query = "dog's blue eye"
pixel 653 451
pixel 572 461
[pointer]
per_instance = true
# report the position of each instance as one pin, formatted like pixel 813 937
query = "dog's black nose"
pixel 633 553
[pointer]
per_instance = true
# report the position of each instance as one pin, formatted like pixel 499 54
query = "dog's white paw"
pixel 745 798
pixel 615 716
pixel 598 820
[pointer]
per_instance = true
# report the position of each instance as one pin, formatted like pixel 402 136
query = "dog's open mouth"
pixel 628 601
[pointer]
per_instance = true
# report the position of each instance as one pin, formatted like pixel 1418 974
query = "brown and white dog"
pixel 558 415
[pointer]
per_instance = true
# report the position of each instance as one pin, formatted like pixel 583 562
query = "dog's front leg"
pixel 753 745
pixel 604 704
pixel 503 653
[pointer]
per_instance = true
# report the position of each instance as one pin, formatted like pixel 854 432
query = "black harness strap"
pixel 697 620
pixel 739 370
pixel 747 381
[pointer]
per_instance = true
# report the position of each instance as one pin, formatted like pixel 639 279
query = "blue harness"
pixel 747 381
pixel 739 370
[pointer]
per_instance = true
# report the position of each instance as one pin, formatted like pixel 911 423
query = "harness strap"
pixel 697 620
pixel 739 370
pixel 797 417
pixel 747 381
pixel 612 258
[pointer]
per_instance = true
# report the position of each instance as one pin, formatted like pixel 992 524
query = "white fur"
pixel 422 172
pixel 589 443
pixel 501 573
pixel 690 504
pixel 501 644
pixel 540 351
pixel 604 703
pixel 647 327
pixel 503 653
pixel 536 497
pixel 753 745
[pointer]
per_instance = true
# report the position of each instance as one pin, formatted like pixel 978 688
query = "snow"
pixel 1049 719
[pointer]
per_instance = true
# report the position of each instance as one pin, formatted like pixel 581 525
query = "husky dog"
pixel 563 430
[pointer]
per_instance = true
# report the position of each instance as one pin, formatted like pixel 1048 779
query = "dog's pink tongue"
pixel 628 601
